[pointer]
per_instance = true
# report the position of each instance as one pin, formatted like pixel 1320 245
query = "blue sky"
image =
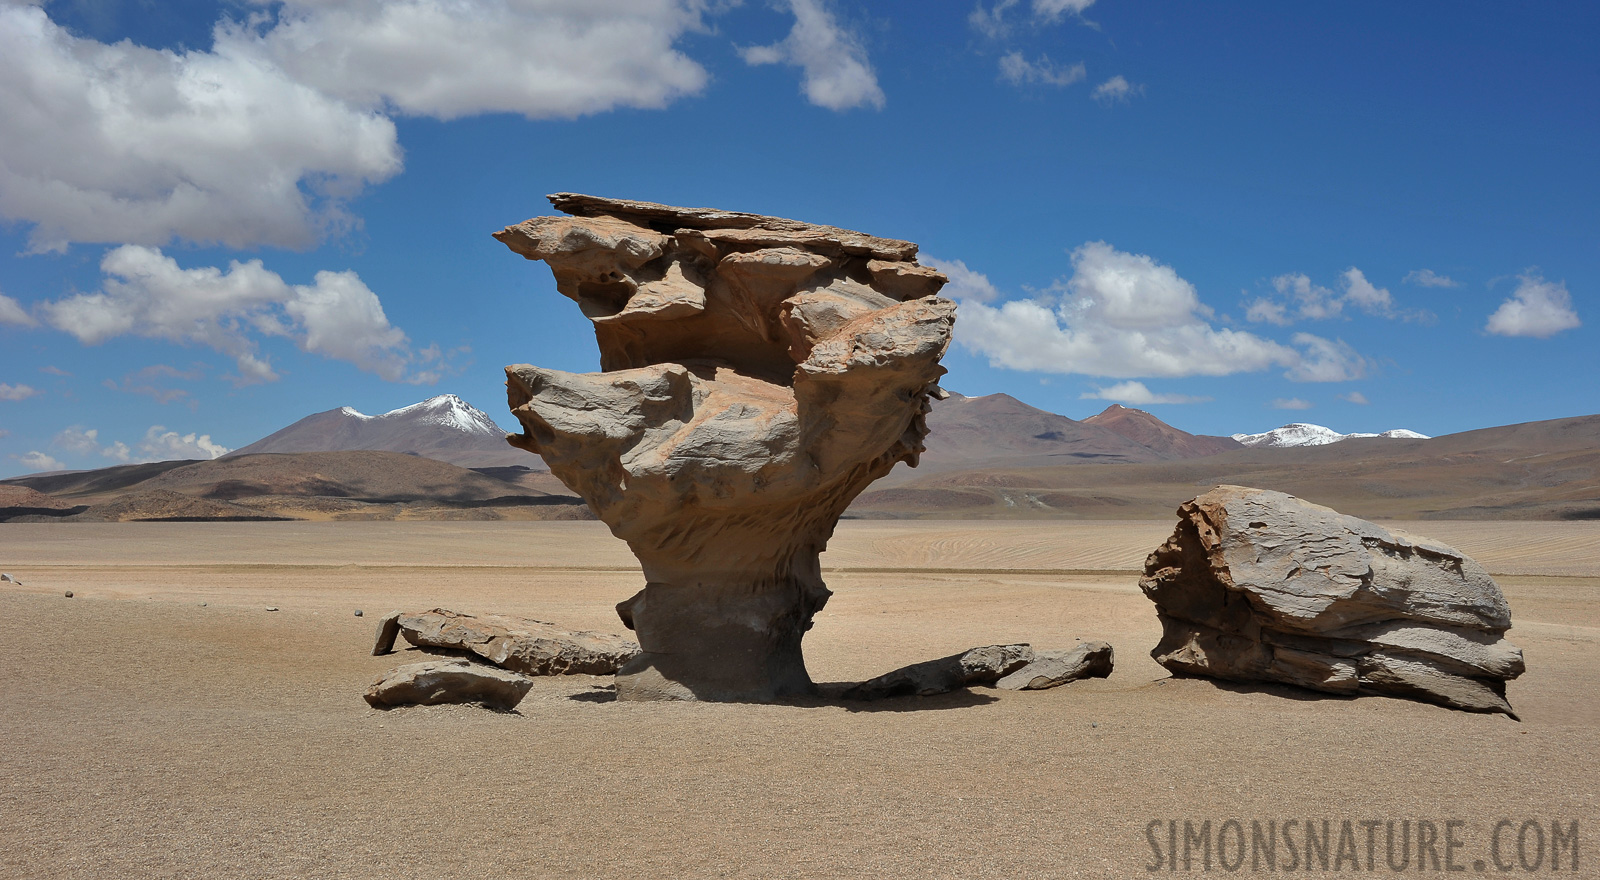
pixel 1362 215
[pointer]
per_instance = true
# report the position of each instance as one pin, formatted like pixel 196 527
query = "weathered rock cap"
pixel 448 681
pixel 670 218
pixel 531 647
pixel 1257 585
pixel 1050 669
pixel 984 665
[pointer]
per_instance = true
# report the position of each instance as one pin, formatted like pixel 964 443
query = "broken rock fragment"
pixel 1050 669
pixel 976 666
pixel 1262 586
pixel 531 647
pixel 448 681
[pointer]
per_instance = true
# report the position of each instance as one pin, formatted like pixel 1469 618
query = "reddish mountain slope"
pixel 1147 430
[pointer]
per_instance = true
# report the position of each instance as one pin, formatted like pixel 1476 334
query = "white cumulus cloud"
pixel 1017 70
pixel 159 444
pixel 1137 394
pixel 146 293
pixel 836 72
pixel 17 392
pixel 1116 90
pixel 12 312
pixel 263 137
pixel 1120 315
pixel 1537 308
pixel 122 143
pixel 452 58
pixel 38 461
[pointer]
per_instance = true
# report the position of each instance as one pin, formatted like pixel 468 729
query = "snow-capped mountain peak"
pixel 445 427
pixel 1303 434
pixel 446 410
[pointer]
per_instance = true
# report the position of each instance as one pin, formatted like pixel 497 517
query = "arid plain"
pixel 163 723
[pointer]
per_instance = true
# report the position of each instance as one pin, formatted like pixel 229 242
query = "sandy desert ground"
pixel 162 723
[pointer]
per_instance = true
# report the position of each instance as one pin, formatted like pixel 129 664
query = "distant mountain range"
pixel 990 456
pixel 1302 434
pixel 964 430
pixel 445 428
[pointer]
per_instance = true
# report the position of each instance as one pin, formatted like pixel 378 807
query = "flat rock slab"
pixel 984 665
pixel 531 647
pixel 1050 669
pixel 448 681
pixel 1262 586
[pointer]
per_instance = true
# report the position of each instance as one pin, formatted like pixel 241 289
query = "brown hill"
pixel 1539 470
pixel 161 505
pixel 1147 430
pixel 96 484
pixel 361 475
pixel 311 485
pixel 965 430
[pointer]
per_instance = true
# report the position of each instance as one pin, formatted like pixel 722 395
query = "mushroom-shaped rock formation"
pixel 758 373
pixel 1262 586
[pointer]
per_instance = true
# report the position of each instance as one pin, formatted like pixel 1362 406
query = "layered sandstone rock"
pixel 1050 669
pixel 757 374
pixel 1261 586
pixel 448 681
pixel 520 644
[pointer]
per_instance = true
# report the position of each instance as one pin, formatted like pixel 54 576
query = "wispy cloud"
pixel 1355 397
pixel 1116 90
pixel 12 312
pixel 1290 403
pixel 1018 70
pixel 1300 299
pixel 1429 278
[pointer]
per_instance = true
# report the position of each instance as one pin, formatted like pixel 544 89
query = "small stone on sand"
pixel 69 594
pixel 358 612
pixel 272 608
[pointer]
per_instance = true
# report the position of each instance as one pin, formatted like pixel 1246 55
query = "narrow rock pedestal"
pixel 758 374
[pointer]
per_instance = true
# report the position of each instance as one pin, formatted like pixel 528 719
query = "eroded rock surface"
pixel 531 647
pixel 758 373
pixel 1261 586
pixel 985 665
pixel 1050 669
pixel 448 681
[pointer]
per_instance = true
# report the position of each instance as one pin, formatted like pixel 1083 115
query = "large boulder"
pixel 448 681
pixel 1050 669
pixel 531 647
pixel 1262 586
pixel 757 374
pixel 984 665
